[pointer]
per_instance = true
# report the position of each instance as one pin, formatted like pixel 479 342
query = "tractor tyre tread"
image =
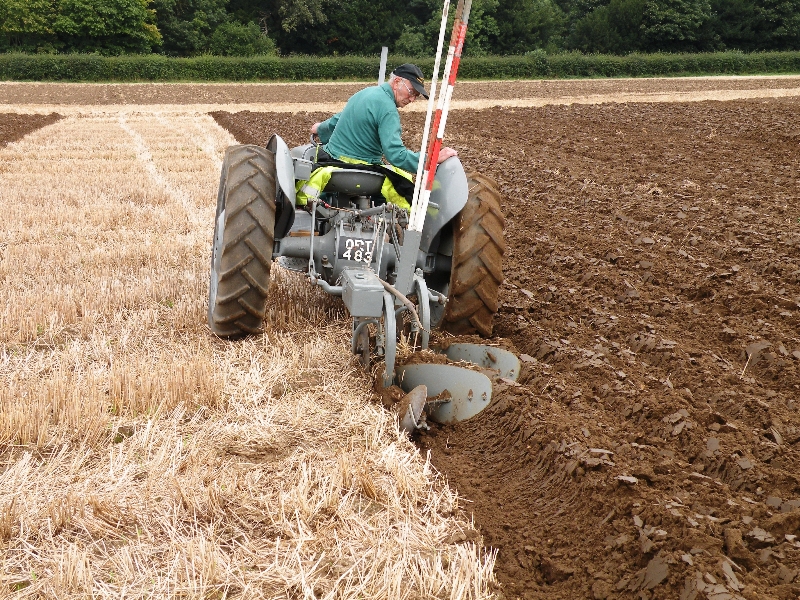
pixel 477 266
pixel 247 195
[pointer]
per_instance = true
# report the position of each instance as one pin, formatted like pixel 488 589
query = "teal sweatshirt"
pixel 368 128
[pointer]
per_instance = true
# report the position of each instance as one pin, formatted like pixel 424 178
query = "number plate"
pixel 355 249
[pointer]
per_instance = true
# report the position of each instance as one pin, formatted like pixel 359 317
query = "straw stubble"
pixel 141 456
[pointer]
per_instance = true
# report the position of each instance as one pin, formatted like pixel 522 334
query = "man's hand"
pixel 314 128
pixel 445 153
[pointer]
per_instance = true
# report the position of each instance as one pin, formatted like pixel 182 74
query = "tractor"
pixel 438 265
pixel 353 244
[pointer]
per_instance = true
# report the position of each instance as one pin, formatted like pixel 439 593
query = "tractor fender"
pixel 285 196
pixel 448 197
pixel 284 166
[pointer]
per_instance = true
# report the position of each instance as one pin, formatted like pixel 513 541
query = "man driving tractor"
pixel 367 132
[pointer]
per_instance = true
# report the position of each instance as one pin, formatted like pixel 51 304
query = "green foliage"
pixel 353 27
pixel 781 20
pixel 279 18
pixel 482 28
pixel 27 25
pixel 188 28
pixel 294 13
pixel 615 28
pixel 736 24
pixel 83 67
pixel 187 25
pixel 578 9
pixel 674 25
pixel 235 39
pixel 575 64
pixel 411 42
pixel 421 32
pixel 526 24
pixel 757 24
pixel 104 26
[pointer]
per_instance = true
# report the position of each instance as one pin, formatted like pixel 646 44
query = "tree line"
pixel 410 28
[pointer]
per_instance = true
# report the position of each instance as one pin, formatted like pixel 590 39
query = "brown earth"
pixel 653 291
pixel 14 127
pixel 83 94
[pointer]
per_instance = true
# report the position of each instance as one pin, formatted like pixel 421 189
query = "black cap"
pixel 413 74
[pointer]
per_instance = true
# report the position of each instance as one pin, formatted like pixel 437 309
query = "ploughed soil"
pixel 143 94
pixel 14 126
pixel 650 447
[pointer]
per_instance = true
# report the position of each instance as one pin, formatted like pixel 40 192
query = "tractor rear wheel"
pixel 244 233
pixel 477 267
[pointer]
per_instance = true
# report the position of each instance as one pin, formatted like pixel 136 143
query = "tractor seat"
pixel 354 182
pixel 349 182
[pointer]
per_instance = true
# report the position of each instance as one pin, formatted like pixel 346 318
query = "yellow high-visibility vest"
pixel 311 189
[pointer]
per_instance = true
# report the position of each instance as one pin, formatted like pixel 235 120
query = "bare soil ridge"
pixel 469 94
pixel 14 126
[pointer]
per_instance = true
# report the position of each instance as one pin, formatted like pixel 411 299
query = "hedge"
pixel 534 65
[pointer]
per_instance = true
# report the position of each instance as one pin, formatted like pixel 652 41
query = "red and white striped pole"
pixel 424 186
pixel 431 101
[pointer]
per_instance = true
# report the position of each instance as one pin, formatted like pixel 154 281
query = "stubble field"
pixel 652 289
